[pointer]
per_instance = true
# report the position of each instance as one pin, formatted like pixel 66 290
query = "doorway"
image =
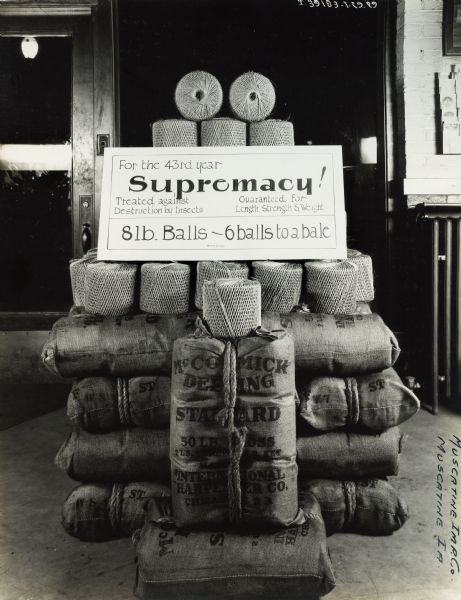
pixel 46 157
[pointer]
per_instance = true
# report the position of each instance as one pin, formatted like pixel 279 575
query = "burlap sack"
pixel 376 401
pixel 119 456
pixel 371 507
pixel 347 455
pixel 337 344
pixel 291 563
pixel 261 431
pixel 98 512
pixel 134 345
pixel 99 404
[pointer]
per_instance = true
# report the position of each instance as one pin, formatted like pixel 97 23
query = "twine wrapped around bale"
pixel 252 97
pixel 272 132
pixel 92 253
pixel 211 270
pixel 174 133
pixel 232 307
pixel 365 284
pixel 165 288
pixel 198 96
pixel 331 286
pixel 223 132
pixel 110 288
pixel 77 269
pixel 280 284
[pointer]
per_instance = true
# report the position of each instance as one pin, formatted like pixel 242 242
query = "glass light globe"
pixel 29 47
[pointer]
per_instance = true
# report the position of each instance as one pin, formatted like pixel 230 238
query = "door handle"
pixel 86 237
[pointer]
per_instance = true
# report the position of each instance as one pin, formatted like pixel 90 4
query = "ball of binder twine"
pixel 280 284
pixel 272 132
pixel 110 288
pixel 165 288
pixel 211 270
pixel 77 269
pixel 365 283
pixel 223 132
pixel 232 307
pixel 252 97
pixel 174 132
pixel 198 96
pixel 331 286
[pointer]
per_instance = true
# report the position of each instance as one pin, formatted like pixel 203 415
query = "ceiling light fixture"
pixel 29 47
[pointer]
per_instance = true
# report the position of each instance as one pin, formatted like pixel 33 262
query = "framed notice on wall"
pixel 222 203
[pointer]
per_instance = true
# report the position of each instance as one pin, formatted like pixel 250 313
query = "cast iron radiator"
pixel 442 224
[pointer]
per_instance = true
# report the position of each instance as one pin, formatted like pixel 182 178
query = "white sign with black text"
pixel 229 203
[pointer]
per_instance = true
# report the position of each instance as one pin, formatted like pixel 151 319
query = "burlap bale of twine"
pixel 208 270
pixel 365 283
pixel 285 563
pixel 272 132
pixel 100 404
pixel 331 286
pixel 110 288
pixel 85 344
pixel 99 512
pixel 223 132
pixel 368 507
pixel 252 97
pixel 198 96
pixel 281 284
pixel 232 307
pixel 174 133
pixel 374 401
pixel 130 454
pixel 165 288
pixel 349 455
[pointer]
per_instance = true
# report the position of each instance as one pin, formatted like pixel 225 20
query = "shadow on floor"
pixel 21 402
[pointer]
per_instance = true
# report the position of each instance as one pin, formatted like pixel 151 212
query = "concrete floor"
pixel 38 561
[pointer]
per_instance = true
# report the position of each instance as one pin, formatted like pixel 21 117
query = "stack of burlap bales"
pixel 351 400
pixel 119 406
pixel 185 432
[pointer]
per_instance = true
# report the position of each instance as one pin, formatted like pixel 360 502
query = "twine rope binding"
pixel 123 401
pixel 352 399
pixel 225 316
pixel 116 505
pixel 350 496
pixel 236 436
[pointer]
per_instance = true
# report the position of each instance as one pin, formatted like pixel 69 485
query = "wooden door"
pixel 49 172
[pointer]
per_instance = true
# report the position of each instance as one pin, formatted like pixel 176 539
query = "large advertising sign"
pixel 230 203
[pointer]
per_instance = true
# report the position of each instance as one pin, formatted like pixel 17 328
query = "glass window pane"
pixel 36 240
pixel 35 94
